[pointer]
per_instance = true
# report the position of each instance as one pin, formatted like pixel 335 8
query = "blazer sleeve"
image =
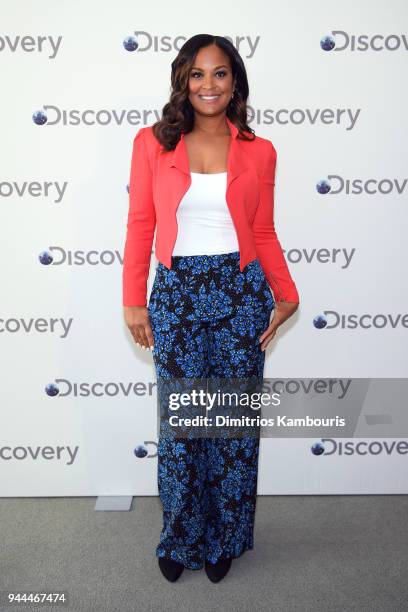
pixel 141 223
pixel 269 250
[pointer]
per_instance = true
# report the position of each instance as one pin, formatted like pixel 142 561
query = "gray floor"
pixel 315 553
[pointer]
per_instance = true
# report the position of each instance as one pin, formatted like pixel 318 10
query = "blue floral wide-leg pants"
pixel 206 317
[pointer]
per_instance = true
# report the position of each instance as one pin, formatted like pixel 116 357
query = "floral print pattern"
pixel 206 317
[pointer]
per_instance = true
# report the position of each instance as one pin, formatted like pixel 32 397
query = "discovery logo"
pixel 58 256
pixel 336 255
pixel 364 321
pixel 332 446
pixel 64 388
pixel 145 41
pixel 339 40
pixel 52 115
pixel 141 451
pixel 34 189
pixel 30 44
pixel 370 186
pixel 40 325
pixel 34 453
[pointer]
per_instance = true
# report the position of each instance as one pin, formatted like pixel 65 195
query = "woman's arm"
pixel 141 224
pixel 267 245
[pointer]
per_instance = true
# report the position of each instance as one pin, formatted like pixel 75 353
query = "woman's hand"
pixel 282 310
pixel 137 320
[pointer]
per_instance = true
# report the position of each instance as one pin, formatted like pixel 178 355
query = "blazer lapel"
pixel 236 162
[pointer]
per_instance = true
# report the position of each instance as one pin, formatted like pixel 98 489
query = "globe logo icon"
pixel 323 186
pixel 317 448
pixel 45 258
pixel 130 43
pixel 140 451
pixel 39 117
pixel 327 43
pixel 320 321
pixel 52 389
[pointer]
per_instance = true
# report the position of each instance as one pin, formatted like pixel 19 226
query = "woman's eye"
pixel 221 72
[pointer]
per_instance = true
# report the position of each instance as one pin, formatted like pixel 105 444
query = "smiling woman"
pixel 223 84
pixel 205 182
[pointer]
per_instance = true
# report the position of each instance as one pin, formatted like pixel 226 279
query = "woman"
pixel 205 182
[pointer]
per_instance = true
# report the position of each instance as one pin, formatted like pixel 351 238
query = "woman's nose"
pixel 208 82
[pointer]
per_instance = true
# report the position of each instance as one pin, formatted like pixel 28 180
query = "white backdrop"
pixel 333 115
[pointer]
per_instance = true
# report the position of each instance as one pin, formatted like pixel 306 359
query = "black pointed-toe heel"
pixel 170 569
pixel 217 571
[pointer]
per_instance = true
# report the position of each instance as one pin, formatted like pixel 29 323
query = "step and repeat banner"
pixel 328 88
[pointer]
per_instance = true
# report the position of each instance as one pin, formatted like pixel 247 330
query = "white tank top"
pixel 205 226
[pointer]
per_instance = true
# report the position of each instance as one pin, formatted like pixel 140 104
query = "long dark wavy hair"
pixel 178 113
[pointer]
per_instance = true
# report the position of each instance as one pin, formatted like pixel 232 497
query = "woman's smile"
pixel 209 99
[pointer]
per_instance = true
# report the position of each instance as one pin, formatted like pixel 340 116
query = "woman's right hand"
pixel 138 322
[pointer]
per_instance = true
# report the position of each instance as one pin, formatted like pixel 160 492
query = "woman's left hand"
pixel 282 312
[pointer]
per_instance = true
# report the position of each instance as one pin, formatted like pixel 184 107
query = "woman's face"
pixel 211 75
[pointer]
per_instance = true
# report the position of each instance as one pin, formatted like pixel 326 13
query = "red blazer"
pixel 158 182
